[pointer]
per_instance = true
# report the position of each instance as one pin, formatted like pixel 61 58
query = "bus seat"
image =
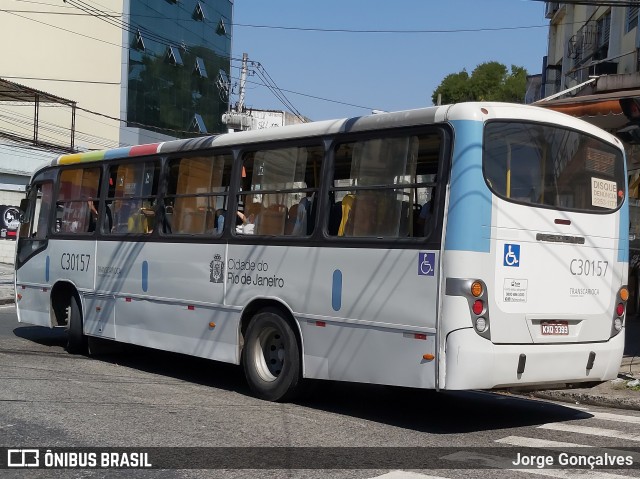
pixel 219 220
pixel 347 205
pixel 168 219
pixel 291 220
pixel 272 221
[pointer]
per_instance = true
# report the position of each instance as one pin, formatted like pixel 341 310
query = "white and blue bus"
pixel 468 246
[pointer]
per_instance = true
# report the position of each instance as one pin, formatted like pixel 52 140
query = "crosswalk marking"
pixel 505 464
pixel 615 417
pixel 590 431
pixel 533 442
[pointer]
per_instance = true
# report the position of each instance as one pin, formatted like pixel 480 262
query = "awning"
pixel 10 91
pixel 601 109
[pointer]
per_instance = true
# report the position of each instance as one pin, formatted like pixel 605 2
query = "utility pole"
pixel 243 81
pixel 238 120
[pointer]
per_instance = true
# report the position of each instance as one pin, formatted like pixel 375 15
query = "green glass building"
pixel 178 65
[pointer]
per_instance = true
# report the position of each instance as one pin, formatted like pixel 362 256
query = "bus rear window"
pixel 537 164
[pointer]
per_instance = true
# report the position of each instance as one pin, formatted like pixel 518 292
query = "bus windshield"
pixel 536 164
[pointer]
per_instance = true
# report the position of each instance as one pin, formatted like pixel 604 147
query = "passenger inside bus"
pixel 247 227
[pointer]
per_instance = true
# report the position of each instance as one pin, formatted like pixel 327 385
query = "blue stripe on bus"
pixel 469 217
pixel 623 233
pixel 46 269
pixel 145 276
pixel 336 290
pixel 117 153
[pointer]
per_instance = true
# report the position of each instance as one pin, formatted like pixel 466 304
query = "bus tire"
pixel 76 340
pixel 271 357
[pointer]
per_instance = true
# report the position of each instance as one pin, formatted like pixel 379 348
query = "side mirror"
pixel 22 216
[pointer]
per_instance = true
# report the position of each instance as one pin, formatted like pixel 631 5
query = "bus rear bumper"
pixel 473 362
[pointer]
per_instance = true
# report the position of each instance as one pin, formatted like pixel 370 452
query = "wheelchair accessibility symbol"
pixel 511 255
pixel 426 264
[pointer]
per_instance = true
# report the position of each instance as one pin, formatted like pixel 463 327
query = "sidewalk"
pixel 616 393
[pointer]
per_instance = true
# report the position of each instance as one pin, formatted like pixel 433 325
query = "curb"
pixel 576 397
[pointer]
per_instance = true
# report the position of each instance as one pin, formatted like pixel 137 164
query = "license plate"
pixel 555 328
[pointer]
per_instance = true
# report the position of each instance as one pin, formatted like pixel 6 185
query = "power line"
pixel 600 3
pixel 351 30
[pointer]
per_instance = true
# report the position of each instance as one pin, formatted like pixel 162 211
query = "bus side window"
pixel 283 183
pixel 197 194
pixel 77 191
pixel 38 212
pixel 131 200
pixel 382 186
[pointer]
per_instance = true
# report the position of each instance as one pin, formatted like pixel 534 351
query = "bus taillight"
pixel 620 311
pixel 478 307
pixel 477 297
pixel 624 294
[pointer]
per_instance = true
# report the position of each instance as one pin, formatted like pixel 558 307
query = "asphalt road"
pixel 139 397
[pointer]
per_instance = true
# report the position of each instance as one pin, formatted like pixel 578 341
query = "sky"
pixel 383 71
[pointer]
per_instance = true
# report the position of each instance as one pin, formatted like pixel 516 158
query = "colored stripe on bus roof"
pixel 123 152
pixel 81 157
pixel 140 150
pixel 117 153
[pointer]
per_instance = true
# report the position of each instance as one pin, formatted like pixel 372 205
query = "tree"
pixel 490 81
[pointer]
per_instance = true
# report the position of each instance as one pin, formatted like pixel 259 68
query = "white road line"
pixel 533 442
pixel 590 431
pixel 548 444
pixel 406 475
pixel 606 416
pixel 504 463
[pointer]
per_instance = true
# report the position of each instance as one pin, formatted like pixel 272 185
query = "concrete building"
pixel 134 71
pixel 593 57
pixel 162 66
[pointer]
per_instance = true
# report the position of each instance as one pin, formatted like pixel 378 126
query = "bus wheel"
pixel 271 357
pixel 76 340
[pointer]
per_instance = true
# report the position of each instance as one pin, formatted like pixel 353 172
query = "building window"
pixel 197 124
pixel 221 29
pixel 223 83
pixel 200 69
pixel 632 18
pixel 199 13
pixel 603 28
pixel 138 42
pixel 173 56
